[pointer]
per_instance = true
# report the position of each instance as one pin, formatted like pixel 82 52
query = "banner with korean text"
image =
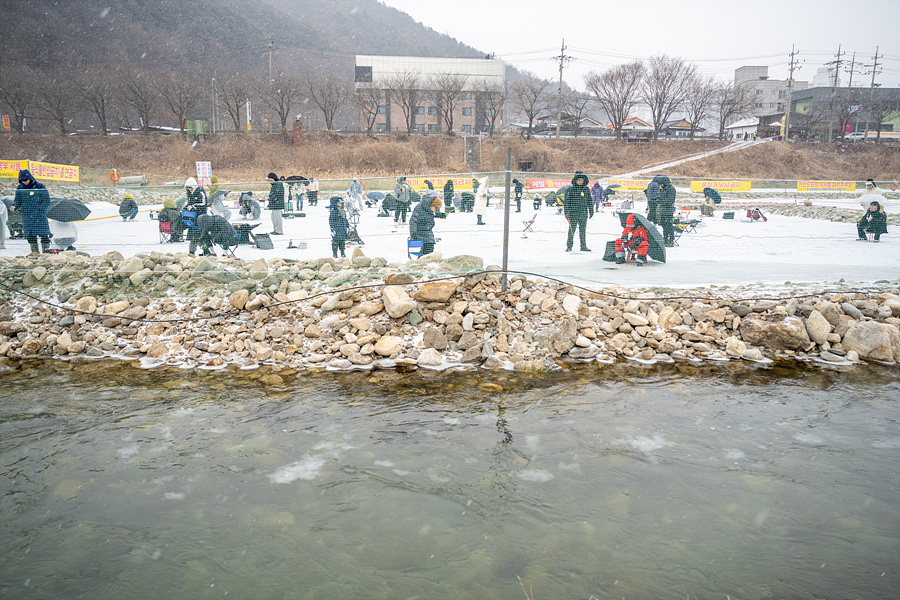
pixel 11 168
pixel 418 183
pixel 634 185
pixel 722 186
pixel 826 186
pixel 67 173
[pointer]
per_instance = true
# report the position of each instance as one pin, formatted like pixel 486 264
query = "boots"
pixel 32 241
pixel 45 242
pixel 480 222
pixel 620 258
pixel 640 260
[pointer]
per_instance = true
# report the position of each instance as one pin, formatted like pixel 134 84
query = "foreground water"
pixel 119 482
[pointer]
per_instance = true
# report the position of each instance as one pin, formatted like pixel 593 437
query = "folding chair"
pixel 413 248
pixel 685 213
pixel 528 225
pixel 755 214
pixel 165 232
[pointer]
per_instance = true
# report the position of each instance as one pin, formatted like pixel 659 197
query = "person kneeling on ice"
pixel 421 223
pixel 874 221
pixel 339 224
pixel 635 239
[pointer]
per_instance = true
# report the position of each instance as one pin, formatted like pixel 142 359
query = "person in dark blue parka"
pixel 32 201
pixel 339 224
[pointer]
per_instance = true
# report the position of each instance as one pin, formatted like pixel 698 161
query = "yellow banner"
pixel 631 184
pixel 418 183
pixel 11 168
pixel 728 186
pixel 56 172
pixel 826 186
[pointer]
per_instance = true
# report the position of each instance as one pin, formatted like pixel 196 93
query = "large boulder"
pixel 396 301
pixel 787 333
pixel 558 338
pixel 464 262
pixel 435 291
pixel 876 341
pixel 818 327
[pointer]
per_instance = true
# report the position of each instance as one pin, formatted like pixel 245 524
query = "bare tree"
pixel 180 95
pixel 810 117
pixel 617 91
pixel 139 90
pixel 367 99
pixel 234 94
pixel 731 102
pixel 492 95
pixel 405 89
pixel 328 94
pixel 529 98
pixel 849 101
pixel 882 110
pixel 666 87
pixel 576 105
pixel 97 92
pixel 700 101
pixel 17 91
pixel 280 96
pixel 446 89
pixel 57 99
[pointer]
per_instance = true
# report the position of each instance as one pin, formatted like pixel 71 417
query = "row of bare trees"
pixel 133 99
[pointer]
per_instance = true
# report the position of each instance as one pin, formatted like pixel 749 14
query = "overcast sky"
pixel 717 35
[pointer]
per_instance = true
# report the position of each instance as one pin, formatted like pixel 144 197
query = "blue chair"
pixel 413 248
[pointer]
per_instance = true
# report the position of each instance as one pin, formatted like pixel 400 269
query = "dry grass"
pixel 328 155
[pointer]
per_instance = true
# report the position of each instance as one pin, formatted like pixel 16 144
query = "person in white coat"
pixel 481 198
pixel 356 193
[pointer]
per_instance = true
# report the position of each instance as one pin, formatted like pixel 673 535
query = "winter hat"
pixel 129 196
pixel 870 182
pixel 272 176
pixel 190 182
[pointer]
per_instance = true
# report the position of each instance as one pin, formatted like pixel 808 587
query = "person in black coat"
pixel 32 201
pixel 667 210
pixel 448 192
pixel 128 209
pixel 337 221
pixel 518 189
pixel 276 203
pixel 652 194
pixel 874 221
pixel 421 223
pixel 578 208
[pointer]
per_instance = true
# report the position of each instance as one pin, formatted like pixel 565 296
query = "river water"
pixel 669 482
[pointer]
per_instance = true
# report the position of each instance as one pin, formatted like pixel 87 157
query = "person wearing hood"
pixel 652 194
pixel 213 185
pixel 578 208
pixel 128 209
pixel 667 210
pixel 171 214
pixel 277 191
pixel 337 221
pixel 635 239
pixel 32 201
pixel 448 192
pixel 518 189
pixel 874 221
pixel 401 192
pixel 597 195
pixel 421 223
pixel 356 193
pixel 481 198
pixel 196 202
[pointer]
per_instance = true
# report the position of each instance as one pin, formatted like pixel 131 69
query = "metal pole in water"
pixel 506 220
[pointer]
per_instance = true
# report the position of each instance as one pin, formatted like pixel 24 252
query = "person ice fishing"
pixel 597 195
pixel 667 210
pixel 312 191
pixel 518 189
pixel 481 199
pixel 170 214
pixel 277 192
pixel 128 209
pixel 448 192
pixel 578 208
pixel 356 193
pixel 874 222
pixel 652 194
pixel 32 200
pixel 196 196
pixel 402 192
pixel 337 221
pixel 421 223
pixel 636 239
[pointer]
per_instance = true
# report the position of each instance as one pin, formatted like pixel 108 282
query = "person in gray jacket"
pixel 401 192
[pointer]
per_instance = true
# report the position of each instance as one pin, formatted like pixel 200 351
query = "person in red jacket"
pixel 635 239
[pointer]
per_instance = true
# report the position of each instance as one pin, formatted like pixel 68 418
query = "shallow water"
pixel 671 482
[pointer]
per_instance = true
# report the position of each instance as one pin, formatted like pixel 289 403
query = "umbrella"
pixel 611 190
pixel 376 196
pixel 431 194
pixel 657 249
pixel 67 210
pixel 217 204
pixel 179 204
pixel 713 193
pixel 218 195
pixel 9 201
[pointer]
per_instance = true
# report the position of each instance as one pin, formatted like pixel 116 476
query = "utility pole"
pixel 837 70
pixel 563 59
pixel 790 86
pixel 872 96
pixel 268 124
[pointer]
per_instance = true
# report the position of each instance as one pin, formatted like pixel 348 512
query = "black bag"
pixel 609 254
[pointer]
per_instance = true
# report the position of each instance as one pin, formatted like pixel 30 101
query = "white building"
pixel 771 94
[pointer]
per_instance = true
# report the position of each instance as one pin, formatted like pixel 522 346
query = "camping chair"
pixel 755 214
pixel 528 225
pixel 679 227
pixel 685 213
pixel 165 232
pixel 413 248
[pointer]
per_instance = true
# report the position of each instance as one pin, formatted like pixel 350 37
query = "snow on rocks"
pixel 292 313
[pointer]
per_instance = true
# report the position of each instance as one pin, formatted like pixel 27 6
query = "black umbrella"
pixel 179 204
pixel 66 210
pixel 376 196
pixel 657 249
pixel 712 193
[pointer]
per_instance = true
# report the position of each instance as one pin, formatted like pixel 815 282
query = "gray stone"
pixel 876 341
pixel 851 311
pixel 582 353
pixel 433 338
pixel 468 340
pixel 457 264
pixel 397 302
pixel 788 333
pixel 430 358
pixel 559 337
pixel 218 275
pixel 741 310
pixel 817 327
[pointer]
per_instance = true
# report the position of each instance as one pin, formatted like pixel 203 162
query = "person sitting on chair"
pixel 636 239
pixel 339 224
pixel 421 224
pixel 214 229
pixel 171 214
pixel 874 221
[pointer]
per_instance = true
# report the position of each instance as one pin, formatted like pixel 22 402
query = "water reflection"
pixel 666 482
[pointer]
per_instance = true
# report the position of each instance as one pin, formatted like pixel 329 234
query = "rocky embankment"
pixel 431 312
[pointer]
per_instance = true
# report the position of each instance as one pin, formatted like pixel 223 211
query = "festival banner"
pixel 204 172
pixel 66 173
pixel 724 186
pixel 826 186
pixel 418 183
pixel 11 168
pixel 634 185
pixel 546 184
